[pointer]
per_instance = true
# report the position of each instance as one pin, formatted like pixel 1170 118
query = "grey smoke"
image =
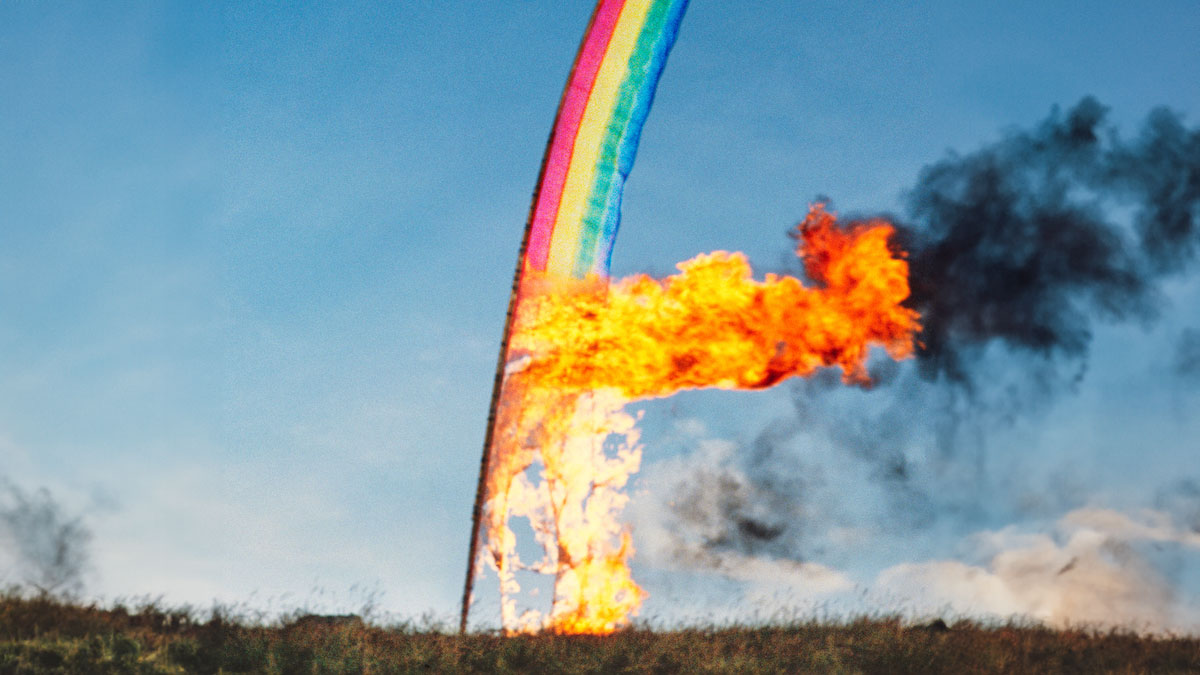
pixel 1182 500
pixel 1187 355
pixel 750 508
pixel 48 550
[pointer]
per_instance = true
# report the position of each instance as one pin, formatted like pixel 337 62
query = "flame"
pixel 581 351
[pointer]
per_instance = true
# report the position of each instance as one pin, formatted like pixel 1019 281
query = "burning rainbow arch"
pixel 576 207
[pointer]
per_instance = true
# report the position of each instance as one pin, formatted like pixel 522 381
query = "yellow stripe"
pixel 581 174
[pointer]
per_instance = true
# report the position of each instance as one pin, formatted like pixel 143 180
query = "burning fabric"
pixel 581 351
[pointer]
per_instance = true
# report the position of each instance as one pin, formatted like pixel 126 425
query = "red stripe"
pixel 562 143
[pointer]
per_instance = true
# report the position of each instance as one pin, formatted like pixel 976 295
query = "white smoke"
pixel 703 518
pixel 1094 569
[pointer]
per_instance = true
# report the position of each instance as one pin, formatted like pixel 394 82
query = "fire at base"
pixel 564 447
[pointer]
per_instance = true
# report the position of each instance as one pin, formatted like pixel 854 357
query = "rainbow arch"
pixel 577 204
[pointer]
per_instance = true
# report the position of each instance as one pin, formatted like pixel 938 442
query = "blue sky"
pixel 254 257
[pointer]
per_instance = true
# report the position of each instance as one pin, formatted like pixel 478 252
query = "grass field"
pixel 48 635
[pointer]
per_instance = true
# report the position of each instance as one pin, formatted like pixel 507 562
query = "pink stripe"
pixel 562 144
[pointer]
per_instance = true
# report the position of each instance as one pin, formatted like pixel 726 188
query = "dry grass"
pixel 48 635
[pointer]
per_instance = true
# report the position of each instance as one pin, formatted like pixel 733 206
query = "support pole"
pixel 485 461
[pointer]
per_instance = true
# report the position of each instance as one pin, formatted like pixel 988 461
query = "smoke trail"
pixel 48 551
pixel 1187 355
pixel 1182 501
pixel 1018 252
pixel 1016 243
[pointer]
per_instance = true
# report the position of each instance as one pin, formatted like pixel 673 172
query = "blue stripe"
pixel 602 219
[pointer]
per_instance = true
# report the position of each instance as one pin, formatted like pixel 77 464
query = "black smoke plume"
pixel 1020 244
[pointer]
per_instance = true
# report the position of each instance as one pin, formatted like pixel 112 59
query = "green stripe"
pixel 618 125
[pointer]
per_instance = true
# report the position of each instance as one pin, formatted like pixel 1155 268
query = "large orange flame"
pixel 581 352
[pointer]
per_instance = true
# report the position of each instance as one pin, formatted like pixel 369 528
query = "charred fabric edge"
pixel 653 38
pixel 485 460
